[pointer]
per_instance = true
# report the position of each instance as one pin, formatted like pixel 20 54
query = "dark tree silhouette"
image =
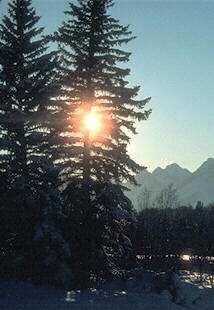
pixel 94 82
pixel 27 132
pixel 26 84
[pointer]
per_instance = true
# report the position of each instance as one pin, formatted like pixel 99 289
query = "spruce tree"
pixel 27 131
pixel 94 85
pixel 26 84
pixel 95 82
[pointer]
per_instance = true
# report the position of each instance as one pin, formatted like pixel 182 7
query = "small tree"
pixel 167 198
pixel 144 199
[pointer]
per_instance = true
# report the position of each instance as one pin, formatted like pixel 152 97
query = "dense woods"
pixel 164 236
pixel 64 217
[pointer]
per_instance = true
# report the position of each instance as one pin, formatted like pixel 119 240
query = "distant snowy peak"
pixel 191 187
pixel 175 168
pixel 206 168
pixel 171 174
pixel 171 169
pixel 201 185
pixel 157 171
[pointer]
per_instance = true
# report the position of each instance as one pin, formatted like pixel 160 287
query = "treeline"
pixel 64 217
pixel 163 236
pixel 166 198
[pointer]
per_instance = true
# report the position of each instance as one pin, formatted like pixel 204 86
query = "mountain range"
pixel 191 186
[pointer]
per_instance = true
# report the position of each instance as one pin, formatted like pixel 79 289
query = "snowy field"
pixel 25 296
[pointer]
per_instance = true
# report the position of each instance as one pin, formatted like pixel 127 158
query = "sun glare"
pixel 186 257
pixel 92 122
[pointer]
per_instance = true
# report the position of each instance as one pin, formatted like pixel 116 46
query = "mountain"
pixel 201 184
pixel 172 174
pixel 145 181
pixel 191 187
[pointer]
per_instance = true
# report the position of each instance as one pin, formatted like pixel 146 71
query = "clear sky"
pixel 173 60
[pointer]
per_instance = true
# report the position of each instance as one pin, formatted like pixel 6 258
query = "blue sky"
pixel 173 61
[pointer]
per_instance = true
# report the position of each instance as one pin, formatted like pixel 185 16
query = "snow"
pixel 172 174
pixel 191 187
pixel 19 295
pixel 200 185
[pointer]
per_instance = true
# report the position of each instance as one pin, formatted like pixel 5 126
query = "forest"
pixel 67 115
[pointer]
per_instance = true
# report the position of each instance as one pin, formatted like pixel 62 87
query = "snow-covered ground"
pixel 25 296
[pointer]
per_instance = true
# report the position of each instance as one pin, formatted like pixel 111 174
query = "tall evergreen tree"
pixel 95 90
pixel 28 124
pixel 96 84
pixel 26 84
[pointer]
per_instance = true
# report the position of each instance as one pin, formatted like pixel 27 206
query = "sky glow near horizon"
pixel 172 60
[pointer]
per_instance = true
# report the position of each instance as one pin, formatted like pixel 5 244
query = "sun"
pixel 93 122
pixel 186 257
